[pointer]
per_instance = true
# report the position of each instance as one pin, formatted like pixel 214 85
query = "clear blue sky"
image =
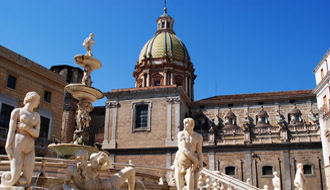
pixel 236 46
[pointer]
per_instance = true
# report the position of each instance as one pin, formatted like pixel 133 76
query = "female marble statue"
pixel 299 180
pixel 24 126
pixel 276 182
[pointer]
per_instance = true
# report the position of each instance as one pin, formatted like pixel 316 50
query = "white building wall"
pixel 322 89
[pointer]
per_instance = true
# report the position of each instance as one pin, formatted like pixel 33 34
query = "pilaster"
pixel 211 160
pixel 171 135
pixel 112 143
pixel 287 169
pixel 248 164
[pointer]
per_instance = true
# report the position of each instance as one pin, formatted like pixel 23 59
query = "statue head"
pixel 81 158
pixel 275 174
pixel 300 165
pixel 100 161
pixel 91 35
pixel 32 97
pixel 189 125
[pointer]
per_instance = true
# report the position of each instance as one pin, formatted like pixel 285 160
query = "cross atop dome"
pixel 165 22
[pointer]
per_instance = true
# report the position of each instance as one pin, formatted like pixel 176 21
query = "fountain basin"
pixel 70 149
pixel 80 92
pixel 85 60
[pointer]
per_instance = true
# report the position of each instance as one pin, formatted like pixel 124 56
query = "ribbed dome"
pixel 162 44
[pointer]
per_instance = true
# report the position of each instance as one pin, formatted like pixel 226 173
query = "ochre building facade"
pixel 245 135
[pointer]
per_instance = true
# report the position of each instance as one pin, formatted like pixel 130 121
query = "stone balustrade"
pixel 211 180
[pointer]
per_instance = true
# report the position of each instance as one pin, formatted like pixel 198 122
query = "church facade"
pixel 245 135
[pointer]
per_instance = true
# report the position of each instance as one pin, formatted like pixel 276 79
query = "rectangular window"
pixel 44 127
pixel 230 170
pixel 267 171
pixel 308 170
pixel 47 96
pixel 322 74
pixel 230 121
pixel 157 83
pixel 325 105
pixel 11 82
pixel 5 115
pixel 141 116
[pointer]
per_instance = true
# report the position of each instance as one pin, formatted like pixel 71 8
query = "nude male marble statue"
pixel 88 43
pixel 188 159
pixel 24 126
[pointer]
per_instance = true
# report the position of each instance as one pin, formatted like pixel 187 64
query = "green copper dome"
pixel 165 43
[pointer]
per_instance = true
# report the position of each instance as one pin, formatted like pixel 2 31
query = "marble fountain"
pixel 87 167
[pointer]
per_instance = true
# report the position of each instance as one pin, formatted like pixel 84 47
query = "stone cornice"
pixel 321 84
pixel 112 104
pixel 30 65
pixel 320 63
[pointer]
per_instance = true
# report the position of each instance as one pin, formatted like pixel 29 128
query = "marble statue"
pixel 276 182
pixel 88 43
pixel 299 180
pixel 87 80
pixel 312 117
pixel 24 126
pixel 280 120
pixel 248 181
pixel 188 159
pixel 87 176
pixel 83 119
pixel 77 172
pixel 171 176
pixel 247 122
pixel 266 187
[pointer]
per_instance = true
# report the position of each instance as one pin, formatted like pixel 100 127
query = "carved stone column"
pixel 165 77
pixel 148 79
pixel 186 84
pixel 171 74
